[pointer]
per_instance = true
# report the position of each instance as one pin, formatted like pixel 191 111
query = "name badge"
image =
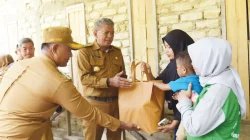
pixel 93 56
pixel 96 69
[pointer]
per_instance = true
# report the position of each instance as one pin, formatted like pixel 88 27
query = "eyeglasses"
pixel 107 33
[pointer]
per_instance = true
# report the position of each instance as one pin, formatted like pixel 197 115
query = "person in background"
pixel 24 50
pixel 18 53
pixel 5 61
pixel 175 41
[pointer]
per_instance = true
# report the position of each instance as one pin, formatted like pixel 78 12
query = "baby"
pixel 187 75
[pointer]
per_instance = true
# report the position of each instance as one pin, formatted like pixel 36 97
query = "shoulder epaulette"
pixel 65 75
pixel 88 45
pixel 117 48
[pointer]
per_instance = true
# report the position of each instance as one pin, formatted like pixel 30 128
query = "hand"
pixel 175 96
pixel 145 67
pixel 184 94
pixel 118 81
pixel 129 126
pixel 154 83
pixel 166 128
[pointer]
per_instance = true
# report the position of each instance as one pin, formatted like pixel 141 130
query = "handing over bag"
pixel 141 104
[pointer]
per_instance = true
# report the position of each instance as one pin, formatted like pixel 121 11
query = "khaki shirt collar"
pixel 97 47
pixel 46 58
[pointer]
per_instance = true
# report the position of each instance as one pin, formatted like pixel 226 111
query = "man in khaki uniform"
pixel 25 50
pixel 33 88
pixel 100 67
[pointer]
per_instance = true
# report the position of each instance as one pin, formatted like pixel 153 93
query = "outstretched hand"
pixel 118 81
pixel 129 126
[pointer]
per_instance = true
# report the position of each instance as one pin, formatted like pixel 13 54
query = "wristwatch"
pixel 107 82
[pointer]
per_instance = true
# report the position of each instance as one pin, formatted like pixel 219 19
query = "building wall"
pixel 199 18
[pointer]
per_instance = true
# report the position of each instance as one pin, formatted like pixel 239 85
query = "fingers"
pixel 189 87
pixel 143 66
pixel 136 127
pixel 118 81
pixel 175 96
pixel 169 122
pixel 159 128
pixel 129 126
pixel 143 63
pixel 124 83
pixel 163 129
pixel 189 91
pixel 120 73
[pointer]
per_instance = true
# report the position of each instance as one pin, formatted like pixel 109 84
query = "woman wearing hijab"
pixel 5 60
pixel 221 104
pixel 175 41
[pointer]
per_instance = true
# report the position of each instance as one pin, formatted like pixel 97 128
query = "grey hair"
pixel 101 21
pixel 24 40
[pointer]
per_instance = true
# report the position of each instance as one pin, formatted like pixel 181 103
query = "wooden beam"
pixel 155 40
pixel 139 29
pixel 131 40
pixel 145 32
pixel 152 36
pixel 236 20
pixel 75 15
pixel 223 19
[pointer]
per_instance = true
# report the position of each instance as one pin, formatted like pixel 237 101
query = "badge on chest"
pixel 96 62
pixel 97 68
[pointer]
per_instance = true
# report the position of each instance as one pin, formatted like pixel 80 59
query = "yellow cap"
pixel 60 35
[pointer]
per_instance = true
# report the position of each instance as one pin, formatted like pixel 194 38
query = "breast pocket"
pixel 117 65
pixel 97 64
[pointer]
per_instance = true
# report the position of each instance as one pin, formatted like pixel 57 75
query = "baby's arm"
pixel 162 86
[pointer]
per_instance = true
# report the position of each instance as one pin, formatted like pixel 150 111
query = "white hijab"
pixel 212 58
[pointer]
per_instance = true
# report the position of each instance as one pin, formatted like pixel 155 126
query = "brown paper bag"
pixel 141 104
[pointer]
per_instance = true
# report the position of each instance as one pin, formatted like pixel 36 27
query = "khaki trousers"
pixel 93 131
pixel 47 135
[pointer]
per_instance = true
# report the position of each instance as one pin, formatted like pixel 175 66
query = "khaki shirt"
pixel 95 66
pixel 31 91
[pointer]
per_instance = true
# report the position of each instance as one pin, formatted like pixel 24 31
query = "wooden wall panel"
pixel 12 38
pixel 236 23
pixel 151 32
pixel 144 32
pixel 76 21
